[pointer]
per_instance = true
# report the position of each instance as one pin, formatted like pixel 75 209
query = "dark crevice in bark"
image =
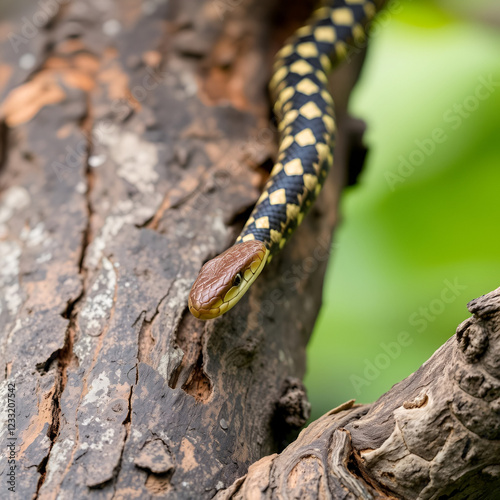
pixel 354 466
pixel 190 374
pixel 86 125
pixel 86 232
pixel 198 384
pixel 65 356
pixel 4 141
pixel 169 203
pixel 146 341
pixel 127 424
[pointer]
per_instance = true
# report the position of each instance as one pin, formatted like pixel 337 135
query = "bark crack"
pixel 190 374
pixel 66 355
pixel 4 141
pixel 146 340
pixel 127 424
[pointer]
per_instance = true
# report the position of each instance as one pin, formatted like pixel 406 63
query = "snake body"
pixel 304 111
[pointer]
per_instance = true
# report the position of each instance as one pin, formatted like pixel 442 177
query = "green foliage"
pixel 419 237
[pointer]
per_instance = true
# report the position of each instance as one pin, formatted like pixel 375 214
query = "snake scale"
pixel 304 110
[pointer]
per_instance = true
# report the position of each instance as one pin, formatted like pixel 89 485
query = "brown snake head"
pixel 225 279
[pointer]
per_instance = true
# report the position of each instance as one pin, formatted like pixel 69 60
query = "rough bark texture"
pixel 133 148
pixel 135 139
pixel 434 435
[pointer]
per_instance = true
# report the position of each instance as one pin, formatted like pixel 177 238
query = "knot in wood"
pixel 472 337
pixel 418 402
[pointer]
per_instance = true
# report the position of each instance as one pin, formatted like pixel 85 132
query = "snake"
pixel 304 111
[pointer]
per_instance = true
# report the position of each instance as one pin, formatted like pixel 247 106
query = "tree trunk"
pixel 135 140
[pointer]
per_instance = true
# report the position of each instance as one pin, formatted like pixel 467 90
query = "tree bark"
pixel 135 140
pixel 436 434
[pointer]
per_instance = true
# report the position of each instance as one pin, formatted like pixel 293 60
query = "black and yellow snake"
pixel 304 110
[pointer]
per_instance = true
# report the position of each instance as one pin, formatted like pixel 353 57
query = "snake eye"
pixel 237 280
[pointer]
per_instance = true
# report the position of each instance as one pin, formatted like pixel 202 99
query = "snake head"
pixel 225 279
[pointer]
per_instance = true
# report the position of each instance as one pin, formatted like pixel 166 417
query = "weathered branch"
pixel 434 435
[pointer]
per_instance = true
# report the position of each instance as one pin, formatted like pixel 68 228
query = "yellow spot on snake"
pixel 249 221
pixel 329 123
pixel 305 138
pixel 304 31
pixel 343 16
pixel 294 167
pixel 325 62
pixel 275 236
pixel 285 51
pixel 307 87
pixel 325 34
pixel 322 150
pixel 310 110
pixel 321 13
pixel 254 266
pixel 327 96
pixel 288 118
pixel 340 49
pixel 276 169
pixel 286 94
pixel 292 211
pixel 262 222
pixel 358 33
pixel 301 67
pixel 310 181
pixel 369 9
pixel 248 237
pixel 263 196
pixel 286 142
pixel 277 197
pixel 282 243
pixel 278 76
pixel 317 190
pixel 321 76
pixel 307 49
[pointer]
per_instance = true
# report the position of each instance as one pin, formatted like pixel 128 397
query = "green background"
pixel 400 243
